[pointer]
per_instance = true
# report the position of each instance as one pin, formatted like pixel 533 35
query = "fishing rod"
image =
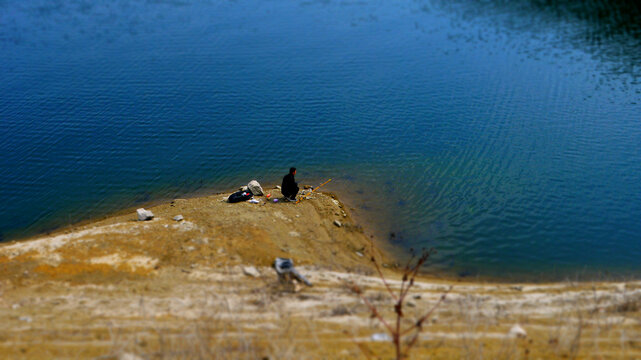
pixel 311 192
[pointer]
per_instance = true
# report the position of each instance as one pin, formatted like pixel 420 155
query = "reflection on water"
pixel 503 133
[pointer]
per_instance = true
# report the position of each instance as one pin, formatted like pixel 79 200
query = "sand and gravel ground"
pixel 123 289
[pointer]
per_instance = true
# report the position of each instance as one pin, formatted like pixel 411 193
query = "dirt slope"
pixel 125 289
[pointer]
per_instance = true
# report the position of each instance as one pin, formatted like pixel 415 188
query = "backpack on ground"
pixel 239 196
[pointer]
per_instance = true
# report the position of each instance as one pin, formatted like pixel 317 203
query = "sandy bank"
pixel 120 288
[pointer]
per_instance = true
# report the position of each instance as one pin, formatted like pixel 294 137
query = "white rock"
pixel 255 188
pixel 337 223
pixel 359 253
pixel 129 356
pixel 517 331
pixel 251 271
pixel 381 337
pixel 179 218
pixel 144 214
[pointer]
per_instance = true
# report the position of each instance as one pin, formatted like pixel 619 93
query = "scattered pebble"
pixel 337 223
pixel 129 356
pixel 517 331
pixel 381 337
pixel 251 271
pixel 359 253
pixel 179 218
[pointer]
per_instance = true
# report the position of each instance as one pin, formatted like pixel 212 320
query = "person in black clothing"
pixel 289 188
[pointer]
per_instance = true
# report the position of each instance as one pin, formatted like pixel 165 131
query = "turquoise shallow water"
pixel 505 134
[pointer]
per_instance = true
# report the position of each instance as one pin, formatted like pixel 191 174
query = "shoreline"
pixel 119 288
pixel 395 253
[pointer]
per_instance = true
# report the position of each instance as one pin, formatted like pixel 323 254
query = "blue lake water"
pixel 505 134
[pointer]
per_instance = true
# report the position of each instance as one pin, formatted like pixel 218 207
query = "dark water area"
pixel 505 134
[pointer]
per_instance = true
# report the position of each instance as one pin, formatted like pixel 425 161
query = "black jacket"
pixel 289 185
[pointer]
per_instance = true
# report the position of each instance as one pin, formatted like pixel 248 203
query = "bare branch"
pixel 380 273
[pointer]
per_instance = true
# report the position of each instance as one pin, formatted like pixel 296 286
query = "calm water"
pixel 505 134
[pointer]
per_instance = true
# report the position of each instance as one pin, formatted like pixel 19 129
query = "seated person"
pixel 289 188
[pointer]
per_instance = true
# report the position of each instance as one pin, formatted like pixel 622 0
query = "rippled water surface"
pixel 505 134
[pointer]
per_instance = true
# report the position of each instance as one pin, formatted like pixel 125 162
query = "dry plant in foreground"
pixel 404 337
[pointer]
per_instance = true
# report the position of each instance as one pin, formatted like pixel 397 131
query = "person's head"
pixel 292 171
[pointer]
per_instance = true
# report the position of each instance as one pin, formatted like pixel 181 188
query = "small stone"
pixel 179 218
pixel 15 306
pixel 144 215
pixel 337 223
pixel 251 271
pixel 411 304
pixel 517 331
pixel 129 356
pixel 381 337
pixel 278 187
pixel 243 188
pixel 25 319
pixel 359 253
